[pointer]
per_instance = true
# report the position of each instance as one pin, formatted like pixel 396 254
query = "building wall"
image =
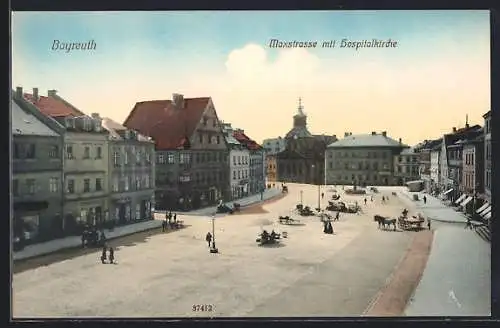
pixel 271 168
pixel 274 145
pixel 81 205
pixel 443 168
pixel 487 158
pixel 435 168
pixel 425 168
pixel 239 168
pixel 257 177
pixel 473 169
pixel 370 166
pixel 132 180
pixel 455 173
pixel 309 167
pixel 38 179
pixel 406 168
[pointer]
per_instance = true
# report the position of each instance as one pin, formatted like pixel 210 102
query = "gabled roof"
pixel 245 140
pixel 169 126
pixel 24 123
pixel 115 128
pixel 299 132
pixel 366 140
pixel 53 106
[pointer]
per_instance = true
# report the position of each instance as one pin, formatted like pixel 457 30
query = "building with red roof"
pixel 191 152
pixel 85 158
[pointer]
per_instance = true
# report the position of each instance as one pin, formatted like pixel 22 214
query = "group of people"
pixel 328 227
pixel 93 237
pixel 170 221
pixel 111 255
pixel 266 235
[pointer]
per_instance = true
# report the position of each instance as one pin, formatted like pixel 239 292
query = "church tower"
pixel 300 119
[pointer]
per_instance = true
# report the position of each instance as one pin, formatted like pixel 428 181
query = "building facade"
pixel 257 178
pixel 424 151
pixel 85 160
pixel 239 164
pixel 365 159
pixel 435 172
pixel 192 158
pixel 272 170
pixel 406 166
pixel 303 160
pixel 273 146
pixel 487 157
pixel 37 177
pixel 473 170
pixel 131 174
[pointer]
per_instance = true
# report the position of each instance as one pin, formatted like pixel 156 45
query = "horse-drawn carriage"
pixel 226 208
pixel 407 223
pixel 284 190
pixel 342 207
pixel 336 197
pixel 266 238
pixel 287 220
pixel 384 222
pixel 304 210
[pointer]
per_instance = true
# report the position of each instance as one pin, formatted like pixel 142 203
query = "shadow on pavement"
pixel 70 253
pixel 278 245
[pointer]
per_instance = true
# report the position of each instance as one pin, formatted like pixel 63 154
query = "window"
pixel 200 137
pixel 15 187
pixel 86 152
pixel 98 184
pixel 69 152
pixel 116 184
pixel 234 159
pixel 218 138
pixel 146 181
pixel 161 159
pixel 137 211
pixel 86 185
pixel 87 124
pixel 30 151
pixel 239 160
pixel 126 183
pixel 148 157
pixel 170 158
pixel 53 184
pixel 30 186
pixel 137 182
pixel 116 158
pixel 99 152
pixel 184 158
pixel 214 123
pixel 205 120
pixel 125 157
pixel 71 186
pixel 54 151
pixel 234 175
pixel 239 174
pixel 138 156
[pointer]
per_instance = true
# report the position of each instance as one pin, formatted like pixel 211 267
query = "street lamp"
pixel 319 188
pixel 213 249
pixel 301 202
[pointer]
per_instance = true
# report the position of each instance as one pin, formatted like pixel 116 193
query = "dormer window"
pixel 87 124
pixel 205 121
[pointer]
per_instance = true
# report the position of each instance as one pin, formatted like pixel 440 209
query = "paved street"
pixel 311 274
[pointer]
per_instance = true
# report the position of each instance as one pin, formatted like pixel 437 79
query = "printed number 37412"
pixel 203 308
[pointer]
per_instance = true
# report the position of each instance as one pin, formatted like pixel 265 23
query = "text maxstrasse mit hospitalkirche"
pixel 343 43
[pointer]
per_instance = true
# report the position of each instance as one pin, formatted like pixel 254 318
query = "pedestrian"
pixel 425 200
pixel 111 255
pixel 208 238
pixel 84 234
pixel 365 201
pixel 103 255
pixel 337 216
pixel 383 199
pixel 164 225
pixel 175 218
pixel 102 238
pixel 322 195
pixel 371 197
pixel 429 224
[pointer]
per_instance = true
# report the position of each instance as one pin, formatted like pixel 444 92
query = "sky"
pixel 438 73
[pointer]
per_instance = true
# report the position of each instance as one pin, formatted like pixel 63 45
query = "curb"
pixel 79 245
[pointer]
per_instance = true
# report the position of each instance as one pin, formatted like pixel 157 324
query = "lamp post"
pixel 319 187
pixel 301 202
pixel 213 249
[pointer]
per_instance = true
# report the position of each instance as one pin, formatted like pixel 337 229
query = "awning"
pixel 466 201
pixel 415 181
pixel 486 211
pixel 461 198
pixel 447 191
pixel 488 216
pixel 482 208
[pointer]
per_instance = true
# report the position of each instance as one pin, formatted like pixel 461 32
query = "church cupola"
pixel 300 119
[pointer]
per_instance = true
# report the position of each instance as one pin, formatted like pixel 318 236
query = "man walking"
pixel 425 200
pixel 429 224
pixel 208 238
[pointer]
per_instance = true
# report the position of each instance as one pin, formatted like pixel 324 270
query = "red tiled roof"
pixel 170 127
pixel 53 107
pixel 244 139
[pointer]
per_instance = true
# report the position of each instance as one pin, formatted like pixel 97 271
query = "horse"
pixel 384 222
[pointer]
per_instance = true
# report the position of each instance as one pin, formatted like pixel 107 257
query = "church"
pixel 303 160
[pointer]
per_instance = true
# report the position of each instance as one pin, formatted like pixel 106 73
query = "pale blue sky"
pixel 141 50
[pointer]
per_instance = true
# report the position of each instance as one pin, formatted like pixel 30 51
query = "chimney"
pixel 19 92
pixel 178 100
pixel 334 136
pixel 346 134
pixel 51 93
pixel 35 94
pixel 454 129
pixel 400 141
pixel 95 115
pixel 384 133
pixel 374 133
